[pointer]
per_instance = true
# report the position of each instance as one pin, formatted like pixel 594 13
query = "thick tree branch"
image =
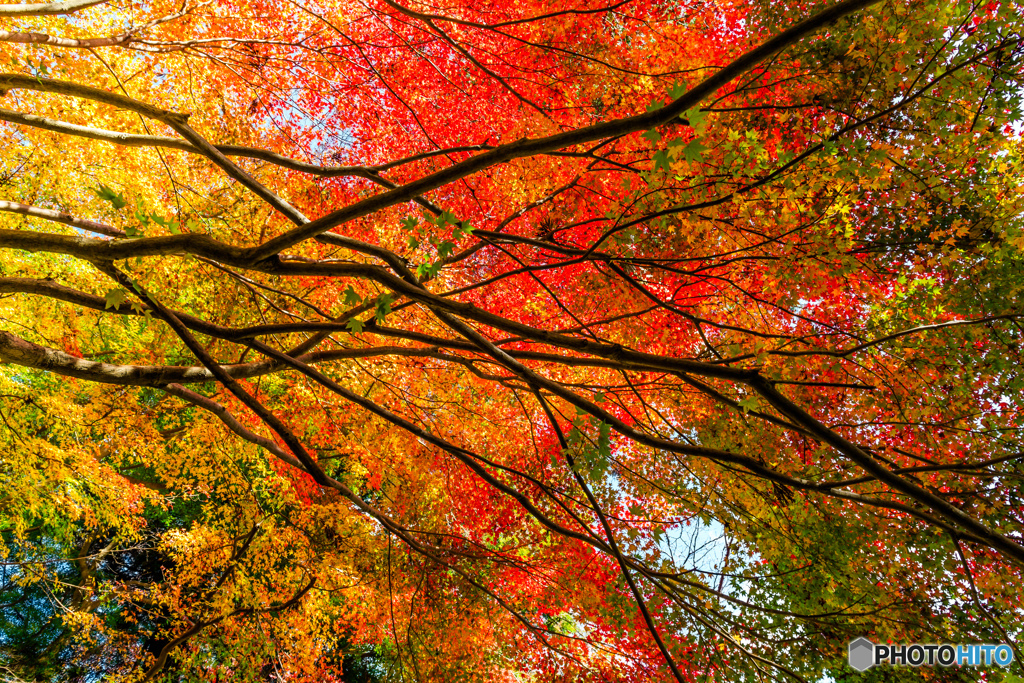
pixel 41 9
pixel 530 147
pixel 61 217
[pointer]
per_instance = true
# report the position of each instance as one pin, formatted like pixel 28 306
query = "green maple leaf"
pixel 444 249
pixel 748 404
pixel 604 448
pixel 383 307
pixel 694 117
pixel 428 269
pixel 351 297
pixel 694 151
pixel 115 297
pixel 108 195
pixel 662 160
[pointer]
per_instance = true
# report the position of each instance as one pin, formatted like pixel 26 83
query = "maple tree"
pixel 381 340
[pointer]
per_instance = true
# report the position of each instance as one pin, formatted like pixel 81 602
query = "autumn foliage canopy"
pixel 392 340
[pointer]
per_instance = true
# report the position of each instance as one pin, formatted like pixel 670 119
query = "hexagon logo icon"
pixel 862 654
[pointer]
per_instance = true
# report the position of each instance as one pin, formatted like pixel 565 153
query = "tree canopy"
pixel 381 340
